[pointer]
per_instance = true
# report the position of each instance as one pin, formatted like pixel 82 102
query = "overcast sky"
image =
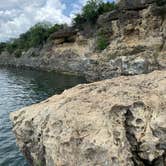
pixel 17 16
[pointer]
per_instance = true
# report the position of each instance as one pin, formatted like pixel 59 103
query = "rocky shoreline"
pixel 115 122
pixel 137 45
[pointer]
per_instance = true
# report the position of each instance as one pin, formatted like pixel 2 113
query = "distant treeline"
pixel 37 35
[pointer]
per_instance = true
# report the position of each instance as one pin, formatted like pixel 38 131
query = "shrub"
pixel 91 11
pixel 11 46
pixel 18 53
pixel 54 28
pixel 102 42
pixel 161 2
pixel 106 7
pixel 79 20
pixel 161 9
pixel 36 36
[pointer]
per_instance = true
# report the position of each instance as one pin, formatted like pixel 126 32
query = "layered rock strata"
pixel 136 31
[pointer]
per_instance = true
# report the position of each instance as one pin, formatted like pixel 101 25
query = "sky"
pixel 17 16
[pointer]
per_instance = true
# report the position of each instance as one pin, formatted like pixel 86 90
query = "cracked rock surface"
pixel 118 122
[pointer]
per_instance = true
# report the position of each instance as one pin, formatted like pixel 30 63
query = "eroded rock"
pixel 118 122
pixel 136 38
pixel 134 4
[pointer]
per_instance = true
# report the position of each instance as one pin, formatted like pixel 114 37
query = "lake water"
pixel 19 88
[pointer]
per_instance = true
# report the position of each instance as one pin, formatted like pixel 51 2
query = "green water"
pixel 19 88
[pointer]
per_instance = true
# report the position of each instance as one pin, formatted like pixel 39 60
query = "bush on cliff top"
pixel 161 2
pixel 161 9
pixel 91 11
pixel 18 53
pixel 40 33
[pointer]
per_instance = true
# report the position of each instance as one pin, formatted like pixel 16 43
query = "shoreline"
pixel 39 69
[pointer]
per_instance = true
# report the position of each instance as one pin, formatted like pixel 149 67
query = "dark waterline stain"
pixel 19 88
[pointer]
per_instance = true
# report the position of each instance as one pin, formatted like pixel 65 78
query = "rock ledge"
pixel 118 122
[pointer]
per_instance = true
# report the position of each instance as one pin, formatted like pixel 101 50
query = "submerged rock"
pixel 118 122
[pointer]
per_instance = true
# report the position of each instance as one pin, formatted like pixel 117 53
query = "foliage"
pixel 106 7
pixel 11 46
pixel 102 42
pixel 91 11
pixel 36 36
pixel 55 28
pixel 18 53
pixel 161 2
pixel 79 20
pixel 161 9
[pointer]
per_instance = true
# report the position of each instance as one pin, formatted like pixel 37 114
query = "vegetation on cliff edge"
pixel 38 35
pixel 91 11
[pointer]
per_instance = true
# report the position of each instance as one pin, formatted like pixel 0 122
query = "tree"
pixel 36 36
pixel 106 7
pixel 91 11
pixel 161 2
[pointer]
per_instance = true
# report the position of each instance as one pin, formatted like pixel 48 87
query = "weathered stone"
pixel 134 4
pixel 108 17
pixel 68 32
pixel 59 41
pixel 118 122
pixel 137 40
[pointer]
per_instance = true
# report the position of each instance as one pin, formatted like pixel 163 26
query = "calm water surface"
pixel 19 88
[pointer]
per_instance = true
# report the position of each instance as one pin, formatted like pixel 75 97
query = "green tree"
pixel 102 42
pixel 106 7
pixel 161 2
pixel 91 11
pixel 36 36
pixel 79 20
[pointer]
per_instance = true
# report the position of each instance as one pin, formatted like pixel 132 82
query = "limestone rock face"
pixel 118 122
pixel 136 31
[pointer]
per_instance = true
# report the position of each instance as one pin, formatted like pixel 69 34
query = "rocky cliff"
pixel 136 31
pixel 118 122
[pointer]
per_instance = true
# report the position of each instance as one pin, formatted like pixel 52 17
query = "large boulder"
pixel 118 122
